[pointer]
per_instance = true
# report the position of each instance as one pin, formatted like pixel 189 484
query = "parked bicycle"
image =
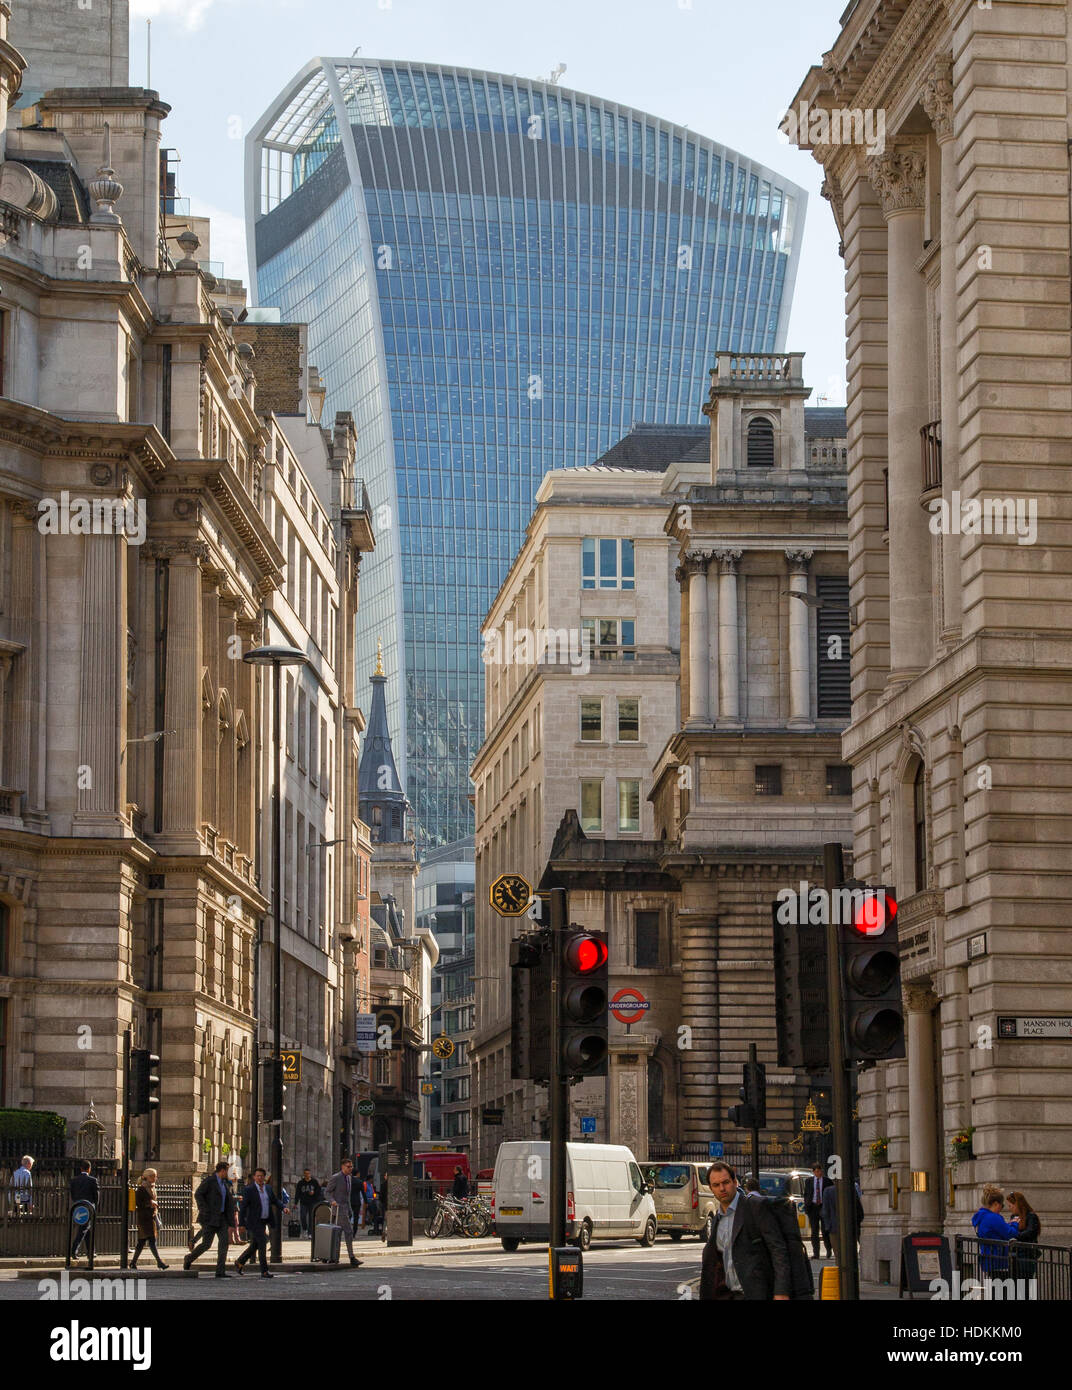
pixel 469 1216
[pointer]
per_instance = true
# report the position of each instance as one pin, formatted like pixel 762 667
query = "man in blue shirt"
pixel 217 1215
pixel 259 1206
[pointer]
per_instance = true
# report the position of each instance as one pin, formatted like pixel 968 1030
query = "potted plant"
pixel 879 1150
pixel 961 1145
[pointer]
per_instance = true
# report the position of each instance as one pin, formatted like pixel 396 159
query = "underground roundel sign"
pixel 629 1006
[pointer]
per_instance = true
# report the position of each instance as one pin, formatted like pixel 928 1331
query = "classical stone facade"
pixel 574 725
pixel 956 240
pixel 150 508
pixel 735 746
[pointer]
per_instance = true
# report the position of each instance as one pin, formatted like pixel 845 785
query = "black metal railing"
pixel 38 1227
pixel 1014 1266
pixel 930 446
pixel 355 496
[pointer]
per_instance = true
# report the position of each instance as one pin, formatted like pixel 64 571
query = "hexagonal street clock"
pixel 510 895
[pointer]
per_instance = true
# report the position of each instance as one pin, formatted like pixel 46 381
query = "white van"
pixel 606 1195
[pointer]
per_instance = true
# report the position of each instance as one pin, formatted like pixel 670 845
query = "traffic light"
pixel 584 1031
pixel 530 1007
pixel 143 1081
pixel 755 1091
pixel 271 1089
pixel 800 988
pixel 871 969
pixel 753 1113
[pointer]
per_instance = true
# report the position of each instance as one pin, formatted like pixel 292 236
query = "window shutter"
pixel 833 675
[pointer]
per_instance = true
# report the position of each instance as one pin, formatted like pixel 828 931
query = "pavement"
pixel 295 1255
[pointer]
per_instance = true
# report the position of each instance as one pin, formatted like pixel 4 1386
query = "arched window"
pixel 760 443
pixel 919 828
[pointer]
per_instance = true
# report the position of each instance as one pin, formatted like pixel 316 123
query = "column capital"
pixel 799 559
pixel 177 550
pixel 937 96
pixel 920 999
pixel 728 560
pixel 898 176
pixel 696 561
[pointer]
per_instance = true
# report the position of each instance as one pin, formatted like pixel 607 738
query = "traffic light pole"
pixel 752 1058
pixel 557 1090
pixel 845 1190
pixel 125 1188
pixel 277 947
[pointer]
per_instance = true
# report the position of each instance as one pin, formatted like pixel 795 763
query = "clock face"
pixel 443 1047
pixel 510 895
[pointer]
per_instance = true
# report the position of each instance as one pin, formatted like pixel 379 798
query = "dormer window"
pixel 760 443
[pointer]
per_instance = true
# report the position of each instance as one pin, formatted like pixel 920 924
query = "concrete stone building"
pixel 581 672
pixel 687 766
pixel 956 238
pixel 142 489
pixel 72 43
pixel 403 954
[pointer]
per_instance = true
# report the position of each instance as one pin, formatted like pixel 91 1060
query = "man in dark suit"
pixel 217 1215
pixel 746 1256
pixel 830 1216
pixel 83 1188
pixel 259 1211
pixel 814 1188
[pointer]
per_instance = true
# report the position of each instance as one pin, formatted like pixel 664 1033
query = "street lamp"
pixel 275 657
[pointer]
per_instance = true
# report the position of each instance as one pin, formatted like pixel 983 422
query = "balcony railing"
pixel 930 444
pixel 355 496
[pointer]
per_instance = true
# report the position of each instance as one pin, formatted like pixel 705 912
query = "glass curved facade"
pixel 500 277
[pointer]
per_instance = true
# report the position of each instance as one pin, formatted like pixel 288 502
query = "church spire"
pixel 381 800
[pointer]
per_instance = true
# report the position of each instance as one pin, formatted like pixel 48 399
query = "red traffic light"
pixel 874 913
pixel 586 953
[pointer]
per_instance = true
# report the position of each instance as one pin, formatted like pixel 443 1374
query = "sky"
pixel 726 70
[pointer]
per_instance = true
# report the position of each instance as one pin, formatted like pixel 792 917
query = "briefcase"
pixel 327 1241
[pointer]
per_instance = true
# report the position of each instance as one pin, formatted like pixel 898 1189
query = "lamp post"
pixel 275 657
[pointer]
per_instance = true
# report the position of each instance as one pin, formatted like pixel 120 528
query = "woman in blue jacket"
pixel 992 1228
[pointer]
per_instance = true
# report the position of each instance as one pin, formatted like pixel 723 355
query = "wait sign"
pixel 1034 1027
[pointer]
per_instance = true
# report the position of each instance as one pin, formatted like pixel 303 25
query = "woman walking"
pixel 1025 1253
pixel 145 1212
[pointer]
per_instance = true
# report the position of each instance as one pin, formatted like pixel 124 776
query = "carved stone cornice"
pixel 728 560
pixel 799 560
pixel 937 96
pixel 899 177
pixel 43 433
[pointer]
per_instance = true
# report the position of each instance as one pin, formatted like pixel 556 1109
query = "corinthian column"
pixel 695 570
pixel 729 667
pixel 799 646
pixel 898 177
pixel 182 695
pixel 922 1106
pixel 938 104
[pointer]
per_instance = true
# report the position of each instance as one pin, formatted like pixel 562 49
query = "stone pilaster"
pixel 102 730
pixel 697 935
pixel 182 698
pixel 923 1156
pixel 729 661
pixel 695 569
pixel 799 644
pixel 938 104
pixel 899 178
